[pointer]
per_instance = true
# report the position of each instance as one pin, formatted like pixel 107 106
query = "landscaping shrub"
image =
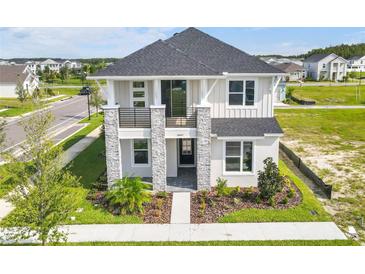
pixel 289 92
pixel 129 194
pixel 269 180
pixel 222 189
pixel 161 194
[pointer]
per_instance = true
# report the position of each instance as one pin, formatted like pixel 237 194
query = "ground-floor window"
pixel 238 156
pixel 140 151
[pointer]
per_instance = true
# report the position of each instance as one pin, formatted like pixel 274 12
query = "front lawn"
pixel 332 143
pixel 331 95
pixel 64 91
pixel 301 213
pixel 15 107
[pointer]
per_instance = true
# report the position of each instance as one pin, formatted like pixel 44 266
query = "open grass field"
pixel 65 91
pixel 331 95
pixel 332 143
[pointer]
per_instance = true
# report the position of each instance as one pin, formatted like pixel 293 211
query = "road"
pixel 66 113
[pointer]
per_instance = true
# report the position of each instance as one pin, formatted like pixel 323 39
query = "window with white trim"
pixel 140 152
pixel 241 92
pixel 139 94
pixel 238 156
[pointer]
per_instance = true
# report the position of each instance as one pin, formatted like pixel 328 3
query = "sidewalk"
pixel 180 211
pixel 203 232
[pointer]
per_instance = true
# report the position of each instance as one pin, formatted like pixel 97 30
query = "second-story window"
pixel 324 66
pixel 139 94
pixel 241 93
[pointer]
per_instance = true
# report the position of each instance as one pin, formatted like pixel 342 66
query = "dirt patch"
pixel 216 207
pixel 157 211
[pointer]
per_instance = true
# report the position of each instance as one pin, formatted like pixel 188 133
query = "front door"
pixel 186 152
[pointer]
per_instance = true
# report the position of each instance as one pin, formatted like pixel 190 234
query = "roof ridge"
pixel 188 56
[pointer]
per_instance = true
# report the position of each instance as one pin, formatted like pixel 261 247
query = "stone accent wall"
pixel 112 145
pixel 158 152
pixel 203 147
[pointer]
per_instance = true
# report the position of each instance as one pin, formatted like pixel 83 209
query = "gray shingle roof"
pixel 190 52
pixel 12 73
pixel 253 127
pixel 316 57
pixel 289 67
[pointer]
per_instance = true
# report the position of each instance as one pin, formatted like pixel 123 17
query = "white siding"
pixel 171 157
pixel 7 90
pixel 263 148
pixel 127 168
pixel 263 100
pixel 123 93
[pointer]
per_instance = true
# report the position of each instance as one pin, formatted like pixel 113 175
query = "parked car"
pixel 85 90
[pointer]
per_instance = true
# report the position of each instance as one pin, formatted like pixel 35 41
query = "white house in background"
pixel 184 111
pixel 294 71
pixel 326 67
pixel 11 75
pixel 32 65
pixel 356 63
pixel 53 65
pixel 72 64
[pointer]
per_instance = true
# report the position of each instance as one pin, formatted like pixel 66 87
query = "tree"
pixel 83 76
pixel 21 92
pixel 64 73
pixel 2 134
pixel 270 181
pixel 43 196
pixel 96 99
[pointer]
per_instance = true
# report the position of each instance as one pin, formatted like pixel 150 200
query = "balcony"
pixel 181 117
pixel 134 117
pixel 141 117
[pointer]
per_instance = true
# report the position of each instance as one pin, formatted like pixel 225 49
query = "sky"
pixel 119 42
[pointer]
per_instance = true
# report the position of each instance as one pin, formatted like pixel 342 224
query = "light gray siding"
pixel 263 148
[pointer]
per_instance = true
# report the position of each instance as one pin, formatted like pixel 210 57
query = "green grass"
pixel 15 108
pixel 74 82
pixel 318 126
pixel 93 123
pixel 65 91
pixel 331 95
pixel 88 166
pixel 225 243
pixel 300 213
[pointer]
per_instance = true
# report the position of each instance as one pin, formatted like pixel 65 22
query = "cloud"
pixel 76 42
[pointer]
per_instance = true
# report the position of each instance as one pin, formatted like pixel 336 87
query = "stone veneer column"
pixel 203 147
pixel 158 153
pixel 112 144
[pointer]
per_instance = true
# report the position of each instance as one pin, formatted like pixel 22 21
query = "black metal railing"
pixel 181 117
pixel 134 118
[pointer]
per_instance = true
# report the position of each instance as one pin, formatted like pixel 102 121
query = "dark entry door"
pixel 186 152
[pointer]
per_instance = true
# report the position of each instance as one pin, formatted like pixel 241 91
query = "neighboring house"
pixel 53 65
pixel 11 75
pixel 326 67
pixel 32 66
pixel 356 63
pixel 276 61
pixel 190 109
pixel 72 64
pixel 294 72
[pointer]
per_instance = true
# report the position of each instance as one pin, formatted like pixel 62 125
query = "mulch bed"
pixel 157 211
pixel 217 207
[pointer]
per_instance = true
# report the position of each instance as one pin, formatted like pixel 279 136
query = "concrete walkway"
pixel 180 211
pixel 81 145
pixel 318 107
pixel 203 232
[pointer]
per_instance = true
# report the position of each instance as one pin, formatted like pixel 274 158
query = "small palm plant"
pixel 130 194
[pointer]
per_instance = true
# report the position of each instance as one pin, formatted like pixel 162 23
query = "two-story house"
pixel 190 109
pixel 356 63
pixel 325 67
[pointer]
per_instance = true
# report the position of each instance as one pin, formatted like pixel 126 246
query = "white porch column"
pixel 157 92
pixel 111 93
pixel 203 91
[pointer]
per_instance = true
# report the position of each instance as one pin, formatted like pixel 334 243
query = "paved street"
pixel 67 113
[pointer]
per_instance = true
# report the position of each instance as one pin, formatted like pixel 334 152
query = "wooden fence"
pixel 327 189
